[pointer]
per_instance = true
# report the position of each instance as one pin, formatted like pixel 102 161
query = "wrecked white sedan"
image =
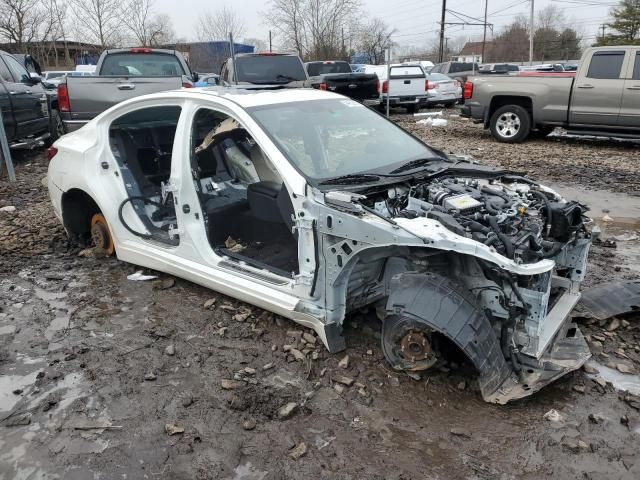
pixel 311 205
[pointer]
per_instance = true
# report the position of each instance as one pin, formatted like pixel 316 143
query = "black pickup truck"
pixel 336 76
pixel 27 115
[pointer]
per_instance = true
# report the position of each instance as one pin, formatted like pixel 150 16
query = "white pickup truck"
pixel 406 86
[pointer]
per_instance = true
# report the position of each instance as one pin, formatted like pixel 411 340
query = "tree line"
pixel 624 29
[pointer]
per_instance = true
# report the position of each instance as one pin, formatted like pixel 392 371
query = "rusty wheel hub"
pixel 101 235
pixel 415 346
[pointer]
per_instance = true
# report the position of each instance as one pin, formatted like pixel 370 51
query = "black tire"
pixel 412 108
pixel 510 124
pixel 450 104
pixel 56 127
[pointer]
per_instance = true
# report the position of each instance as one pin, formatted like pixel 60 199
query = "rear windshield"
pixel 456 67
pixel 322 68
pixel 55 75
pixel 412 71
pixel 146 64
pixel 269 69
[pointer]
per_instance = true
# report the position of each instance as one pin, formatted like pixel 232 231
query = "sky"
pixel 416 21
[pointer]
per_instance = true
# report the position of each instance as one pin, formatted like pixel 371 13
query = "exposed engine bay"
pixel 521 220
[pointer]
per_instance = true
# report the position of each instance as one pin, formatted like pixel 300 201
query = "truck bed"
pixel 90 96
pixel 552 95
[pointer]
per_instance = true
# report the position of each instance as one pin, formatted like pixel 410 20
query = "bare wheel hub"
pixel 406 343
pixel 415 346
pixel 101 235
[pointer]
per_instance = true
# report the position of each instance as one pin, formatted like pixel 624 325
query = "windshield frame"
pixel 438 155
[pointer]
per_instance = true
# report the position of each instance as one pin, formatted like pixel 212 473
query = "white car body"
pixel 335 234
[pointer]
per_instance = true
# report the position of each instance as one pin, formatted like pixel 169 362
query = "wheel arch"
pixel 77 209
pixel 414 294
pixel 501 100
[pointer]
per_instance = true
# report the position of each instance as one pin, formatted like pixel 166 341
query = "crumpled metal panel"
pixel 611 299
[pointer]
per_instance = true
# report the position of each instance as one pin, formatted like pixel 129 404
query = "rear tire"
pixel 56 127
pixel 412 108
pixel 510 124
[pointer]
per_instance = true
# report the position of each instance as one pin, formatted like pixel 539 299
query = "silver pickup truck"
pixel 121 74
pixel 601 98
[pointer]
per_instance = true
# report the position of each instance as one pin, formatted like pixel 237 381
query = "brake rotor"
pixel 406 344
pixel 101 235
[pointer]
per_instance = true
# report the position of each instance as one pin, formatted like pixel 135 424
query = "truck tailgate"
pixel 406 81
pixel 90 96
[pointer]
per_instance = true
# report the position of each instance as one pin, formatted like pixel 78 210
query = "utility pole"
pixel 531 34
pixel 603 27
pixel 444 12
pixel 484 35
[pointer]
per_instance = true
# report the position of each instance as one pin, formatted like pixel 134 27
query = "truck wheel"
pixel 56 127
pixel 412 108
pixel 510 124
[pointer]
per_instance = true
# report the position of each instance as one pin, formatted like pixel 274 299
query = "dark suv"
pixel 25 106
pixel 264 69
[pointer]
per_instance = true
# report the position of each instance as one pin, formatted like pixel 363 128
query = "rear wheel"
pixel 510 124
pixel 56 127
pixel 412 108
pixel 101 234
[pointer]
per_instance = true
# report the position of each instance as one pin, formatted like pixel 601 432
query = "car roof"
pixel 251 97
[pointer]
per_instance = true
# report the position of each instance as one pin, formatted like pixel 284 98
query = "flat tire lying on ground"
pixel 510 124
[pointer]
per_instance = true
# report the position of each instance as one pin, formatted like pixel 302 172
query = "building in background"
pixel 472 52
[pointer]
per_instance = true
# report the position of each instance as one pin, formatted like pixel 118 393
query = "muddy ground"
pixel 103 377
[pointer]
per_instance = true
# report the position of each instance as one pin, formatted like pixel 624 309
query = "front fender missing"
pixel 449 309
pixel 446 308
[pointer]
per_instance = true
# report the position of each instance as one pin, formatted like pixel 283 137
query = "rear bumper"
pixel 406 100
pixel 473 110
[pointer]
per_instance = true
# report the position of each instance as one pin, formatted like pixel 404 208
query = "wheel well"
pixel 501 101
pixel 77 209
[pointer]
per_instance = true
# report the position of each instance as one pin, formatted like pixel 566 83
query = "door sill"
pixel 240 263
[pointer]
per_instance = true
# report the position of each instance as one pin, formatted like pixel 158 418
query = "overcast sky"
pixel 416 21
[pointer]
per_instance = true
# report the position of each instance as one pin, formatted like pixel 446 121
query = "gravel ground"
pixel 102 377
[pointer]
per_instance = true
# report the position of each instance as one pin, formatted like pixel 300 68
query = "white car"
pixel 311 205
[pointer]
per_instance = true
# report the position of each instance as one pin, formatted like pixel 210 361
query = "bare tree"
pixel 147 27
pixel 316 29
pixel 219 24
pixel 21 21
pixel 99 21
pixel 374 37
pixel 260 45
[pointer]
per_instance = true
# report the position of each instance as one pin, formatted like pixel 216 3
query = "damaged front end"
pixel 498 274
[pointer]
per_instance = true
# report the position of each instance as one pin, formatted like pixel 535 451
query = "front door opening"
pixel 249 214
